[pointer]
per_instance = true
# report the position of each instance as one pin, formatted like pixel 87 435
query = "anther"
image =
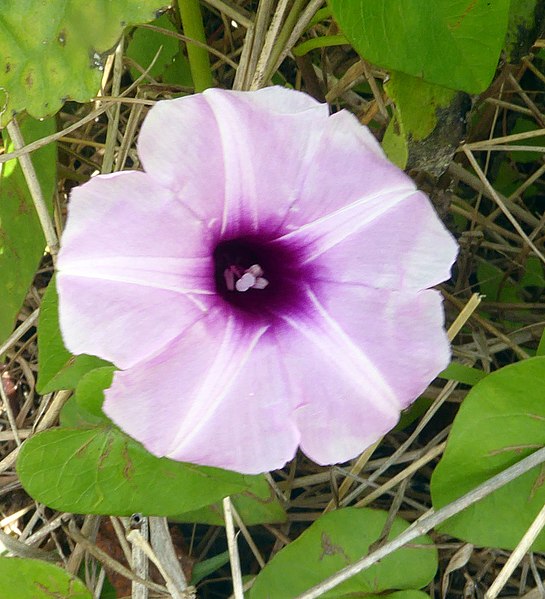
pixel 242 280
pixel 246 281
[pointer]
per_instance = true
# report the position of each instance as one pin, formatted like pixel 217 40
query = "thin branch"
pixel 34 187
pixel 23 328
pixel 233 549
pixel 111 563
pixel 514 559
pixel 161 541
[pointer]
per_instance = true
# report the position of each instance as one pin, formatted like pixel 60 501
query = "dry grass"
pixel 493 228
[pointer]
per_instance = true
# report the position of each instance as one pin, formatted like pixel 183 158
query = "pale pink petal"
pixel 402 333
pixel 119 322
pixel 129 280
pixel 316 237
pixel 216 396
pixel 222 154
pixel 128 214
pixel 407 247
pixel 346 167
pixel 392 241
pixel 180 148
pixel 358 360
pixel 276 100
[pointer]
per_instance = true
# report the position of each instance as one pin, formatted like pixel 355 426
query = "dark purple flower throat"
pixel 259 278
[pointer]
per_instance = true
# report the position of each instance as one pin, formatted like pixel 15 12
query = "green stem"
pixel 321 15
pixel 319 42
pixel 284 35
pixel 199 61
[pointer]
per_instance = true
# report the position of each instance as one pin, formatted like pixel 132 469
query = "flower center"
pixel 240 280
pixel 258 278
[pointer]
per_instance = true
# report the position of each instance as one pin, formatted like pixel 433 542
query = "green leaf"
pixel 178 72
pixel 495 285
pixel 336 540
pixel 57 367
pixel 417 103
pixel 428 123
pixel 524 125
pixel 534 275
pixel 22 242
pixel 55 50
pixel 258 505
pixel 395 144
pixel 145 44
pixel 208 566
pixel 501 421
pixel 102 471
pixel 171 65
pixel 462 373
pixel 454 43
pixel 84 408
pixel 35 579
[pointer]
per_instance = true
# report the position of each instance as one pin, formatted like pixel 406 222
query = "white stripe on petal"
pixel 325 333
pixel 240 185
pixel 327 231
pixel 234 349
pixel 171 274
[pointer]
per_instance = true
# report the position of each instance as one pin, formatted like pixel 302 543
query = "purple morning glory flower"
pixel 263 285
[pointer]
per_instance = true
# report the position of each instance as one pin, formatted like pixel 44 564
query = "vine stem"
pixel 199 62
pixel 35 190
pixel 428 521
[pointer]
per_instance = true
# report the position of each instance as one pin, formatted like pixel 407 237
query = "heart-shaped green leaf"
pixel 454 43
pixel 35 579
pixel 171 66
pixel 102 471
pixel 336 540
pixel 84 409
pixel 94 468
pixel 501 420
pixel 525 20
pixel 256 506
pixel 55 50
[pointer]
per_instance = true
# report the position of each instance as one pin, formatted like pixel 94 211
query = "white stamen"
pixel 245 282
pixel 242 280
pixel 255 270
pixel 260 283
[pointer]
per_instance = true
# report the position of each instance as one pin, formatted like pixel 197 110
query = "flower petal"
pixel 402 332
pixel 125 270
pixel 250 176
pixel 313 239
pixel 393 242
pixel 180 147
pixel 347 167
pixel 370 225
pixel 215 396
pixel 358 361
